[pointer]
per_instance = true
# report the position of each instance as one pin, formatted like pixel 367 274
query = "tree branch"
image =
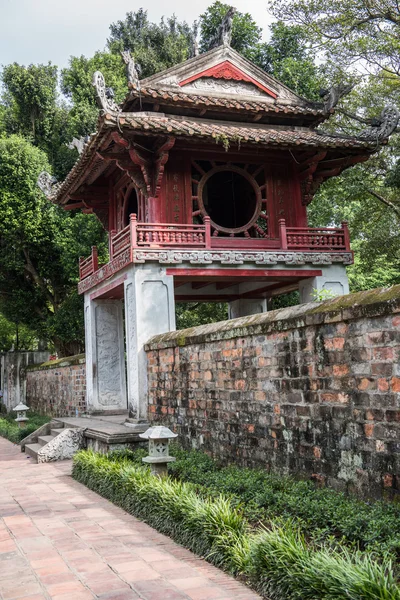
pixel 395 208
pixel 36 277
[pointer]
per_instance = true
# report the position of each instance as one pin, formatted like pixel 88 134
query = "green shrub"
pixel 9 428
pixel 278 561
pixel 284 567
pixel 324 514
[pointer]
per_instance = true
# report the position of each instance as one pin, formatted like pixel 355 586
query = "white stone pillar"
pixel 334 279
pixel 244 307
pixel 105 355
pixel 149 310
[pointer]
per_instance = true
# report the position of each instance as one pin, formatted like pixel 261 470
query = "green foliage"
pixel 154 46
pixel 15 335
pixel 76 85
pixel 40 246
pixel 245 31
pixel 32 93
pixel 322 295
pixel 191 314
pixel 319 513
pixel 362 30
pixel 276 561
pixel 9 428
pixel 288 57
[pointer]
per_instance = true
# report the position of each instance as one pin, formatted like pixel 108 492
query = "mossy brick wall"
pixel 312 390
pixel 57 388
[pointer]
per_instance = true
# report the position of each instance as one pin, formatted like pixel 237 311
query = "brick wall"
pixel 57 388
pixel 312 390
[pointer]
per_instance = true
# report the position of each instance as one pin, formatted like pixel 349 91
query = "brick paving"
pixel 60 541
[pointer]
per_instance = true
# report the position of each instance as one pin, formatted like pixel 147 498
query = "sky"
pixel 39 31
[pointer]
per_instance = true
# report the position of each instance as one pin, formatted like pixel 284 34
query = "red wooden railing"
pixel 171 235
pixel 87 266
pixel 160 235
pixel 314 238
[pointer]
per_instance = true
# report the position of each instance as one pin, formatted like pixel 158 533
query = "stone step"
pixel 32 450
pixel 55 432
pixel 45 439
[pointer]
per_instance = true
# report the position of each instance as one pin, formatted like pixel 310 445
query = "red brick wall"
pixel 310 391
pixel 57 388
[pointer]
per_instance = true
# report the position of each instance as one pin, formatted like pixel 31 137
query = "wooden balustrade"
pixel 314 238
pixel 193 236
pixel 87 266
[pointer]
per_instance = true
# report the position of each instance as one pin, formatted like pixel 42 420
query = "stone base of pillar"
pixel 333 279
pixel 243 308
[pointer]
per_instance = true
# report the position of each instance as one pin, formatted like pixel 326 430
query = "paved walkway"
pixel 59 540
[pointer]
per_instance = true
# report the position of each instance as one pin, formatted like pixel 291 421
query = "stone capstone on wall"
pixel 312 390
pixel 62 447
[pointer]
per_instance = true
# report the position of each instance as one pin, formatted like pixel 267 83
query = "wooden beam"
pixel 113 155
pixel 200 284
pixel 245 273
pixel 73 206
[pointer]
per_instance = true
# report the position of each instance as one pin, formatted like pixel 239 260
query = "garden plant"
pixel 275 557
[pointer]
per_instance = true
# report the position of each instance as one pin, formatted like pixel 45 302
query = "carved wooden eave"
pixel 315 169
pixel 144 165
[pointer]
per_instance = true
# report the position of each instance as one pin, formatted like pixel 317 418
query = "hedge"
pixel 9 428
pixel 276 561
pixel 322 514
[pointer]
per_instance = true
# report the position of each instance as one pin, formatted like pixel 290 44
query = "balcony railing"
pixel 87 266
pixel 170 235
pixel 314 238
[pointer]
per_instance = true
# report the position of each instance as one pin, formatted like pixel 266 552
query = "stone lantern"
pixel 21 409
pixel 159 457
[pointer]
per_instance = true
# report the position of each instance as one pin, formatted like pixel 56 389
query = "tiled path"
pixel 61 541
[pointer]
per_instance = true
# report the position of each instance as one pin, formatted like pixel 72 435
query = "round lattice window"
pixel 231 197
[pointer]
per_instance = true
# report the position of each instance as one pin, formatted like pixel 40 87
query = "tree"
pixel 354 30
pixel 155 46
pixel 40 246
pixel 31 108
pixel 32 93
pixel 288 57
pixel 191 314
pixel 76 85
pixel 245 32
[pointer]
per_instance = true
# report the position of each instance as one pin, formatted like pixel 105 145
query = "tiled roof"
pixel 219 130
pixel 207 130
pixel 208 101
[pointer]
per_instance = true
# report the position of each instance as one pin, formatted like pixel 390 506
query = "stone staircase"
pixel 63 436
pixel 39 441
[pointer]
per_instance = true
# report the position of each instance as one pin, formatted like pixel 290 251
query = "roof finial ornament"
pixel 133 70
pixel 46 182
pixel 334 94
pixel 78 143
pixel 104 95
pixel 382 127
pixel 224 35
pixel 194 46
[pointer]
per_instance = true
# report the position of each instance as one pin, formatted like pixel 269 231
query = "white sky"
pixel 39 31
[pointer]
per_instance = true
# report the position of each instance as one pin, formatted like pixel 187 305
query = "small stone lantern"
pixel 21 419
pixel 159 457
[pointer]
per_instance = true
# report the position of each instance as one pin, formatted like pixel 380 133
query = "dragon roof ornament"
pixel 78 143
pixel 332 95
pixel 104 95
pixel 132 70
pixel 224 34
pixel 47 183
pixel 382 127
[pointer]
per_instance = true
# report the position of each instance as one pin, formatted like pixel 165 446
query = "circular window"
pixel 230 197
